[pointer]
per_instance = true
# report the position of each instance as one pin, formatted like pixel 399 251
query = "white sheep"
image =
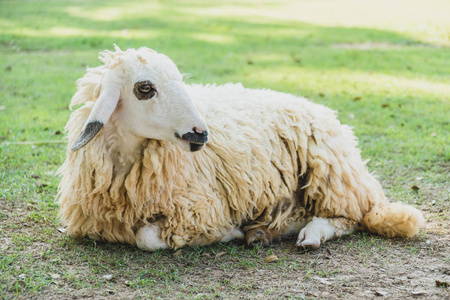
pixel 271 164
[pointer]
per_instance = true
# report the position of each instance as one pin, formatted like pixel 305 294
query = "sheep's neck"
pixel 123 147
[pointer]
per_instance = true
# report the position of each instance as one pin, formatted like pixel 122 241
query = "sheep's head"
pixel 144 90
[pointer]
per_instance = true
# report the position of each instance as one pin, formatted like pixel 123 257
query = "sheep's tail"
pixel 394 220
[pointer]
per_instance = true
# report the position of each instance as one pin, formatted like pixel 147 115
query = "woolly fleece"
pixel 273 159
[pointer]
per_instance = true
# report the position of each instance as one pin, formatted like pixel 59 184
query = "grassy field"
pixel 384 66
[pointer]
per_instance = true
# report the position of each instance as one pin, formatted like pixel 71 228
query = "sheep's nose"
pixel 199 131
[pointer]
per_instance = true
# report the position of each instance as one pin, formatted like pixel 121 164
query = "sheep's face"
pixel 151 102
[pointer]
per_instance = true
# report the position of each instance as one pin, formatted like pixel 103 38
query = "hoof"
pixel 308 244
pixel 258 237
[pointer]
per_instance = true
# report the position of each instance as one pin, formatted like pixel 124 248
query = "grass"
pixel 385 69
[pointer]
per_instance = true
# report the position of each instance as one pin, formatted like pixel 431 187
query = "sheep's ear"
pixel 100 114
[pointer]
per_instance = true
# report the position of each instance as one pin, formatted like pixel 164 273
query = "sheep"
pixel 157 163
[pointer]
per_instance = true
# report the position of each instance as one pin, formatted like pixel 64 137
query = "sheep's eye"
pixel 144 90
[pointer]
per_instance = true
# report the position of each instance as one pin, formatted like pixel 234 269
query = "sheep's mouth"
pixel 195 138
pixel 194 142
pixel 195 147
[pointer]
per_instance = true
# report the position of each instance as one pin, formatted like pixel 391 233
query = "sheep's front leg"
pixel 320 230
pixel 235 233
pixel 148 238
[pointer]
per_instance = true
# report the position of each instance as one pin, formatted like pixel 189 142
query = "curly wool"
pixel 261 143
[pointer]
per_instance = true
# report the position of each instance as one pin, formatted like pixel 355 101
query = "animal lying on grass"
pixel 157 163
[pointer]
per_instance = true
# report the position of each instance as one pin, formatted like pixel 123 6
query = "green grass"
pixel 386 71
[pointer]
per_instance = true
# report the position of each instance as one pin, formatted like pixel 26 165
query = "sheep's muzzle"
pixel 196 139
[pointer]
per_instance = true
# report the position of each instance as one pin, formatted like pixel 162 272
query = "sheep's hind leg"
pixel 320 230
pixel 282 219
pixel 261 236
pixel 264 236
pixel 148 238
